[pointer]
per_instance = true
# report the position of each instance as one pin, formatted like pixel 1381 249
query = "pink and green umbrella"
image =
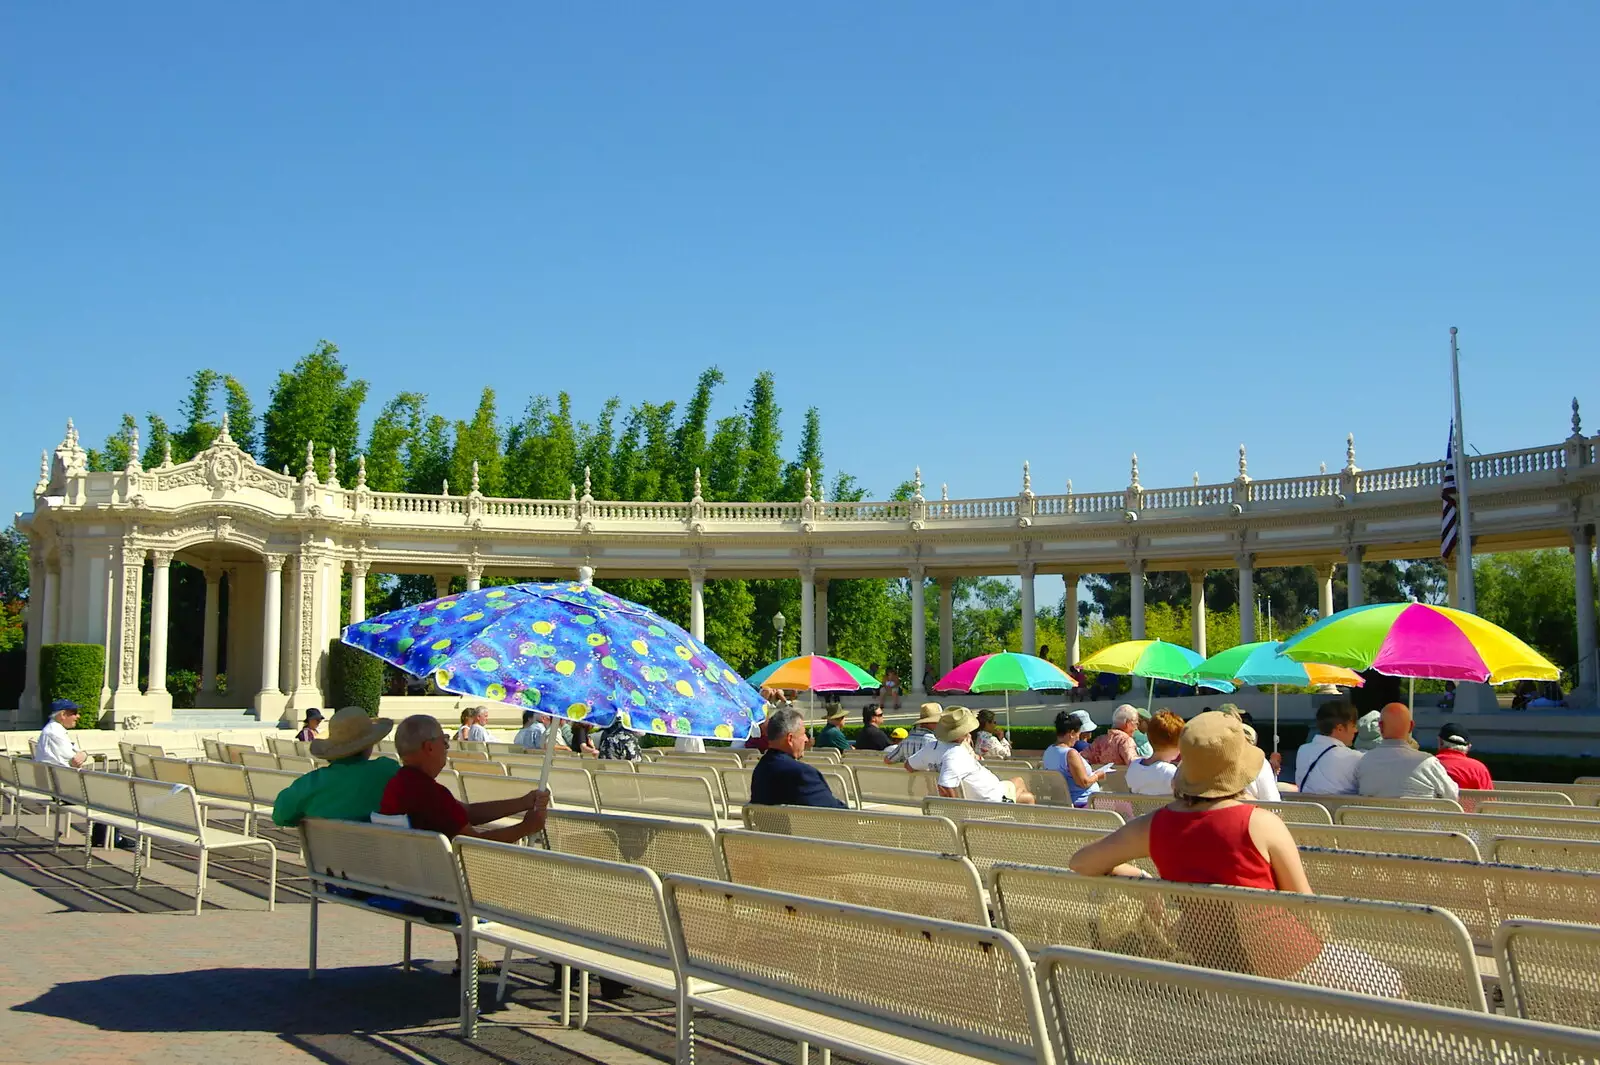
pixel 814 673
pixel 1419 641
pixel 1006 672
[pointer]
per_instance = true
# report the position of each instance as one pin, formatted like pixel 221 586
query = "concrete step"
pixel 213 718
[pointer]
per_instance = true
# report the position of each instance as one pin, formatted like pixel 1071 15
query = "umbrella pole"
pixel 549 754
pixel 1008 713
pixel 1274 719
pixel 1411 694
pixel 1149 695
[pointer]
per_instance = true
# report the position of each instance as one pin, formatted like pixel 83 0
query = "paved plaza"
pixel 93 972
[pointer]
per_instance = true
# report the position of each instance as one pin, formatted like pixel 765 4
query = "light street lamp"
pixel 777 626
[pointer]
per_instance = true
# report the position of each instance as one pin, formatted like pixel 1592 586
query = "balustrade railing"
pixel 1286 489
pixel 890 511
pixel 957 509
pixel 406 503
pixel 751 511
pixel 1400 478
pixel 625 511
pixel 1512 463
pixel 528 508
pixel 1198 495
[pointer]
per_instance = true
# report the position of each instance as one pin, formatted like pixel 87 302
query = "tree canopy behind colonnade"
pixel 648 450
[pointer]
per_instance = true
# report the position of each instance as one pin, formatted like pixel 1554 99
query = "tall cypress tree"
pixel 478 441
pixel 241 416
pixel 391 438
pixel 198 412
pixel 809 457
pixel 315 402
pixel 763 466
pixel 689 442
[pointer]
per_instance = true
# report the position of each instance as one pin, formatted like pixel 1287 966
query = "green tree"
pixel 763 466
pixel 1532 595
pixel 809 457
pixel 315 403
pixel 241 416
pixel 155 449
pixel 13 565
pixel 479 441
pixel 391 441
pixel 724 461
pixel 428 457
pixel 595 445
pixel 197 411
pixel 689 440
pixel 113 455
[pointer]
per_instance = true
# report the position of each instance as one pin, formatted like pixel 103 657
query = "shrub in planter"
pixel 73 671
pixel 183 685
pixel 355 678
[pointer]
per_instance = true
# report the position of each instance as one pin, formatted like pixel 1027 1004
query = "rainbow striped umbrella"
pixel 1006 672
pixel 1157 659
pixel 815 673
pixel 1419 641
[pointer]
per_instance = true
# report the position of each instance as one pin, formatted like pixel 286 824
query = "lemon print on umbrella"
pixel 609 662
pixel 637 697
pixel 584 619
pixel 476 615
pixel 426 622
pixel 545 650
pixel 495 691
pixel 654 674
pixel 578 711
pixel 487 664
pixel 403 643
pixel 529 696
pixel 440 645
pixel 657 725
pixel 683 652
pixel 543 628
pixel 724 732
pixel 656 630
pixel 448 604
pixel 498 593
pixel 640 647
pixel 595 639
pixel 684 688
pixel 566 666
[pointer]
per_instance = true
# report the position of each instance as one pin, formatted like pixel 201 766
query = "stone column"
pixel 1247 597
pixel 358 591
pixel 1197 610
pixel 919 631
pixel 947 636
pixel 697 603
pixel 130 581
pixel 822 615
pixel 808 610
pixel 1026 572
pixel 160 574
pixel 1136 612
pixel 1583 583
pixel 52 593
pixel 1325 571
pixel 306 605
pixel 441 585
pixel 208 642
pixel 474 578
pixel 269 698
pixel 30 700
pixel 1069 619
pixel 1353 575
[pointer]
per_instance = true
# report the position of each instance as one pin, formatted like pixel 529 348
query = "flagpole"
pixel 1466 595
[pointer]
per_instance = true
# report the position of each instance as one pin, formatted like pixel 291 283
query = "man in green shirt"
pixel 350 787
pixel 832 735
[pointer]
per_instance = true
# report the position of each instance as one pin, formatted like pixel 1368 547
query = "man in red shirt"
pixel 416 792
pixel 1467 772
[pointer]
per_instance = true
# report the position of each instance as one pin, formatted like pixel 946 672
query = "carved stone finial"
pixel 572 492
pixel 44 473
pixel 474 475
pixel 916 485
pixel 133 451
pixel 333 468
pixel 444 491
pixel 222 434
pixel 1197 478
pixel 1577 422
pixel 1350 451
pixel 1069 486
pixel 1027 479
pixel 286 472
pixel 588 485
pixel 71 439
pixel 166 453
pixel 808 483
pixel 1244 469
pixel 1322 467
pixel 361 471
pixel 310 475
pixel 1133 477
pixel 944 493
pixel 697 484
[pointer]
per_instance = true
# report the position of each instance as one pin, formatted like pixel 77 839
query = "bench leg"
pixel 804 1057
pixel 138 856
pixel 505 975
pixel 405 946
pixel 200 880
pixel 583 999
pixel 311 953
pixel 685 1027
pixel 566 995
pixel 272 879
pixel 469 983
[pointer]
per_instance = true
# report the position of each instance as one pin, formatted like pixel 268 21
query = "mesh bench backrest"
pixel 66 783
pixel 1558 811
pixel 1582 793
pixel 1552 971
pixel 605 765
pixel 234 752
pixel 1471 799
pixel 1549 853
pixel 569 784
pixel 990 842
pixel 213 749
pixel 561 894
pixel 1128 805
pixel 945 886
pixel 960 987
pixel 1184 1016
pixel 172 770
pixel 666 847
pixel 736 785
pixel 281 746
pixel 482 769
pixel 221 780
pixel 1299 813
pixel 481 787
pixel 712 775
pixel 656 793
pixel 168 805
pixel 917 832
pixel 1480 828
pixel 395 861
pixel 265 784
pixel 258 759
pixel 1417 843
pixel 1380 948
pixel 113 794
pixel 892 784
pixel 8 772
pixel 717 759
pixel 1065 816
pixel 1482 894
pixel 1335 803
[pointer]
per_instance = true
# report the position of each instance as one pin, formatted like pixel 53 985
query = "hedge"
pixel 73 671
pixel 355 678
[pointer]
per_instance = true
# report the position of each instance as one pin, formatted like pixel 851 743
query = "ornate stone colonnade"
pixel 283 544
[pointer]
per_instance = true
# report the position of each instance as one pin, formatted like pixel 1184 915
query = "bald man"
pixel 1396 770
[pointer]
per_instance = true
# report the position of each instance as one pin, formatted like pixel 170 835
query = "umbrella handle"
pixel 549 755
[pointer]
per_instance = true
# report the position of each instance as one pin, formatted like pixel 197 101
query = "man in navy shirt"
pixel 780 778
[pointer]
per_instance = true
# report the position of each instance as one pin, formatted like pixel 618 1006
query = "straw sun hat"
pixel 929 714
pixel 955 723
pixel 350 731
pixel 1218 759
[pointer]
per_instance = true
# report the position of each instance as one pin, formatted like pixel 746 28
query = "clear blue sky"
pixel 971 234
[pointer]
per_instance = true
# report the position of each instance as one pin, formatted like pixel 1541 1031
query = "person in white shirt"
pixel 692 744
pixel 1153 775
pixel 952 755
pixel 474 726
pixel 55 746
pixel 1326 765
pixel 532 733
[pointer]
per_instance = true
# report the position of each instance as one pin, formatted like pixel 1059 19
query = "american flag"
pixel 1449 529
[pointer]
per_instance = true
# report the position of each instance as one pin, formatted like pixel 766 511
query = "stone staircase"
pixel 213 719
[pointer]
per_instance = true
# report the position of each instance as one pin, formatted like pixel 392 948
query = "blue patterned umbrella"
pixel 571 651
